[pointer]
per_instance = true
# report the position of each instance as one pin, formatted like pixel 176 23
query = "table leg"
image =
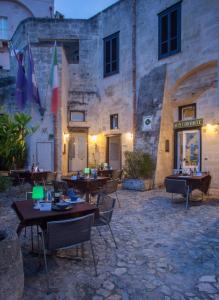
pixel 87 195
pixel 19 229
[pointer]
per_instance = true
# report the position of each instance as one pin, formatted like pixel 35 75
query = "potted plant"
pixel 138 171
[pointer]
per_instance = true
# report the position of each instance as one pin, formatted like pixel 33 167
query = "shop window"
pixel 114 121
pixel 72 51
pixel 77 116
pixel 187 112
pixel 111 54
pixel 169 27
pixel 4 29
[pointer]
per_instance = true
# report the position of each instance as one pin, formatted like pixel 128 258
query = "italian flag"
pixel 54 82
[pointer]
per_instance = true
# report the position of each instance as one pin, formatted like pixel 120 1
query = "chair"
pixel 117 174
pixel 106 205
pixel 38 178
pixel 111 187
pixel 29 197
pixel 17 179
pixel 176 186
pixel 60 186
pixel 51 176
pixel 76 232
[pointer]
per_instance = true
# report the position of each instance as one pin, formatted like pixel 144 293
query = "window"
pixel 114 121
pixel 4 28
pixel 72 51
pixel 77 116
pixel 187 112
pixel 169 26
pixel 111 54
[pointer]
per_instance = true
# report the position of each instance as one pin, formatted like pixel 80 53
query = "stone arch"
pixel 195 82
pixel 20 3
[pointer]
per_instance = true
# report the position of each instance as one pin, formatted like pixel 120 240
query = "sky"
pixel 81 9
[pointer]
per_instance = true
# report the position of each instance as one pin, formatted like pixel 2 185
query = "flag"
pixel 54 82
pixel 32 89
pixel 21 83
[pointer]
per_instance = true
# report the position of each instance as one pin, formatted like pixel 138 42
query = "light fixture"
pixel 129 135
pixel 93 138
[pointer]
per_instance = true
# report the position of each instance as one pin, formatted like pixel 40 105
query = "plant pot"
pixel 11 266
pixel 137 184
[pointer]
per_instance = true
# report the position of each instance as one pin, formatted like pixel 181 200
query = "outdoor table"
pixel 195 182
pixel 86 185
pixel 29 216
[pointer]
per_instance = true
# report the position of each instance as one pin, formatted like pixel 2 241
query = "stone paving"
pixel 164 253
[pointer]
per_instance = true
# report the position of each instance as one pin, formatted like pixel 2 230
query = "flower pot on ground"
pixel 11 266
pixel 138 170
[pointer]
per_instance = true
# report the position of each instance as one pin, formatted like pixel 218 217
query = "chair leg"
pixel 118 200
pixel 92 250
pixel 187 199
pixel 31 232
pixel 45 262
pixel 113 236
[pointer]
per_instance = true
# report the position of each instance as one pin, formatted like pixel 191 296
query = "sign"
pixel 147 123
pixel 188 123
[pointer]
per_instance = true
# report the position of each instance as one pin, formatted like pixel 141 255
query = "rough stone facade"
pixel 162 85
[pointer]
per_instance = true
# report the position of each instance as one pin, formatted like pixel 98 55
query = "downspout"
pixel 134 96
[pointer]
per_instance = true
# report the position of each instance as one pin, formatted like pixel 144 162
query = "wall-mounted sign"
pixel 188 123
pixel 147 123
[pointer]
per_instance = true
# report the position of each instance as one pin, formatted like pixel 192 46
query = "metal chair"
pixel 51 176
pixel 106 205
pixel 38 178
pixel 60 186
pixel 29 197
pixel 176 186
pixel 111 187
pixel 65 234
pixel 117 174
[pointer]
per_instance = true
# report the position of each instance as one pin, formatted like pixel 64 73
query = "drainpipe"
pixel 134 96
pixel 55 143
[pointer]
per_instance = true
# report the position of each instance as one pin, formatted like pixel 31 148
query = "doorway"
pixel 77 151
pixel 44 155
pixel 189 149
pixel 114 151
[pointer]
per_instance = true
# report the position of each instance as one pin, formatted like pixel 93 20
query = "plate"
pixel 62 206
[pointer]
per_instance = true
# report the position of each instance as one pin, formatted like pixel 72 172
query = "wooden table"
pixel 195 182
pixel 29 216
pixel 86 185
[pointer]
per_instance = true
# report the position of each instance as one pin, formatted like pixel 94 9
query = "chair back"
pixel 29 195
pixel 60 186
pixel 39 177
pixel 70 232
pixel 105 205
pixel 51 176
pixel 110 187
pixel 176 186
pixel 117 174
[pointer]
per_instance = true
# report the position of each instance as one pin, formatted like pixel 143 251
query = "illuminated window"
pixel 187 112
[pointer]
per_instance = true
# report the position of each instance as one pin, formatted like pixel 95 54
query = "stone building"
pixel 11 14
pixel 141 74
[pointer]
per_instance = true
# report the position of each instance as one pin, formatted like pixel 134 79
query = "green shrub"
pixel 5 183
pixel 138 165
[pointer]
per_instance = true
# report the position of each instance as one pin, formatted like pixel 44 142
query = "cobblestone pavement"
pixel 164 252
